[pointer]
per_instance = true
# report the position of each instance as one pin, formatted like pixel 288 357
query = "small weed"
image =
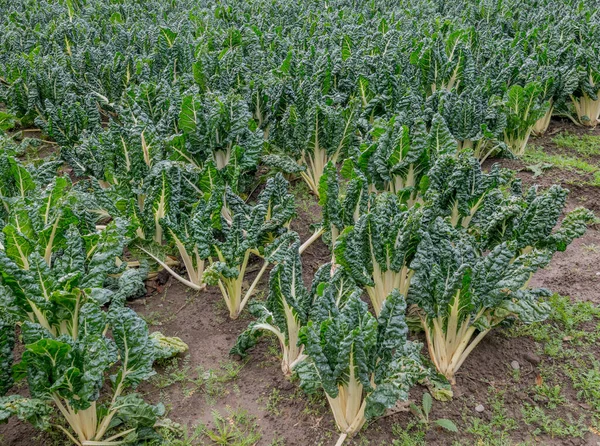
pixel 537 155
pixel 176 435
pixel 550 395
pixel 238 428
pixel 588 385
pixel 563 325
pixel 212 381
pixel 499 426
pixel 422 413
pixel 592 247
pixel 174 372
pixel 315 404
pixel 553 425
pixel 412 435
pixel 273 402
pixel 277 441
pixel 586 145
pixel 153 318
pixel 516 374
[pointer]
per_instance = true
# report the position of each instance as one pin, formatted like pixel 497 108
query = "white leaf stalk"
pixel 482 148
pixel 231 288
pixel 222 157
pixel 315 166
pixel 194 266
pixel 587 109
pixel 88 428
pixel 454 80
pixel 314 237
pixel 160 212
pixel 348 407
pixel 517 140
pixel 399 183
pixel 456 218
pixel 316 158
pixel 541 125
pixel 291 353
pixel 449 347
pixel 386 281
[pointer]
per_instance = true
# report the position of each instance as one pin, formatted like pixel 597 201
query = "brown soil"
pixel 201 320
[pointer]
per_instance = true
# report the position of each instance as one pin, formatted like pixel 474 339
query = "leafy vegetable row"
pixel 164 112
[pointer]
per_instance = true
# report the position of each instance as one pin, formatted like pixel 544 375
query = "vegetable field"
pixel 275 222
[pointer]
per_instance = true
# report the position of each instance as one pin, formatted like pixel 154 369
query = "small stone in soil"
pixel 515 365
pixel 532 358
pixel 479 408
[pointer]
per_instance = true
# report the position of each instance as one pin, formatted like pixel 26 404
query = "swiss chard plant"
pixel 68 373
pixel 221 129
pixel 314 133
pixel 397 157
pixel 587 106
pixel 530 221
pixel 290 305
pixel 463 293
pixel 364 364
pixel 459 189
pixel 586 97
pixel 192 237
pixel 524 107
pixel 341 209
pixel 39 222
pixel 559 79
pixel 284 312
pixel 83 271
pixel 475 119
pixel 444 59
pixel 378 249
pixel 261 230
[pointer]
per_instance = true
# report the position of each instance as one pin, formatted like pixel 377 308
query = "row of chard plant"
pixel 162 113
pixel 452 259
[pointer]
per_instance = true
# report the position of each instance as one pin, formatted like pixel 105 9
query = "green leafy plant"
pixel 54 296
pixel 364 365
pixel 316 133
pixel 69 372
pixel 260 229
pixel 402 157
pixel 422 413
pixel 192 236
pixel 462 294
pixel 283 314
pixel 341 210
pixel 236 428
pixel 377 251
pixel 524 108
pixel 219 128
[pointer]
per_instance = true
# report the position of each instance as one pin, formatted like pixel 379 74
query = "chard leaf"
pixel 7 344
pixel 136 349
pixel 34 411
